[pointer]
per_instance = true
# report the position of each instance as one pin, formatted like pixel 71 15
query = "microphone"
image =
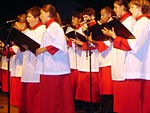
pixel 9 21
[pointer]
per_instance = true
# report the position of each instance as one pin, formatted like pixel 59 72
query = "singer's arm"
pixel 119 43
pixel 51 49
pixel 98 44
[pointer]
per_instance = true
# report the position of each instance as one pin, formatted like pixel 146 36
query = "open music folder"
pixel 21 39
pixel 119 28
pixel 72 33
pixel 76 35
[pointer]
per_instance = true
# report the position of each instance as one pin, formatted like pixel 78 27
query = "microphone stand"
pixel 89 53
pixel 8 58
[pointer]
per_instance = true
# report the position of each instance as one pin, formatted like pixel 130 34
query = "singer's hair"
pixel 77 14
pixel 144 4
pixel 22 17
pixel 52 12
pixel 124 3
pixel 108 10
pixel 35 11
pixel 89 11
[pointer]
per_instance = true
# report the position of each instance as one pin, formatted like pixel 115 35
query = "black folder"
pixel 119 28
pixel 76 35
pixel 21 39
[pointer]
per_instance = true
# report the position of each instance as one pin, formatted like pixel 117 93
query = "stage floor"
pixel 4 104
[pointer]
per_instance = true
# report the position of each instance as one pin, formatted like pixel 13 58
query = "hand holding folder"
pixel 21 39
pixel 118 27
pixel 72 33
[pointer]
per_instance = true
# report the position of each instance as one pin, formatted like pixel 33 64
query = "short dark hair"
pixel 89 11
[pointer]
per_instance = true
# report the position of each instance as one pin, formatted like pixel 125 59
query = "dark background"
pixel 9 9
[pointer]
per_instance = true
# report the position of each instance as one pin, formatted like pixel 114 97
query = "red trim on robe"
pixel 37 25
pixel 101 46
pixel 139 17
pixel 92 23
pixel 70 43
pixel 123 17
pixel 84 46
pixel 49 22
pixel 5 52
pixel 51 49
pixel 77 27
pixel 121 43
pixel 148 17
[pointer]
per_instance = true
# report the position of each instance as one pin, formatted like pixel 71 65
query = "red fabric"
pixel 139 17
pixel 5 53
pixel 86 45
pixel 148 16
pixel 36 26
pixel 101 46
pixel 15 90
pixel 83 87
pixel 51 49
pixel 92 23
pixel 121 43
pixel 127 96
pixel 74 76
pixel 56 94
pixel 29 101
pixel 123 17
pixel 145 96
pixel 78 26
pixel 106 83
pixel 48 23
pixel 4 80
pixel 70 43
pixel 0 75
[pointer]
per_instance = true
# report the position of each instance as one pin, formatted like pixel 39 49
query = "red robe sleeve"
pixel 98 45
pixel 51 49
pixel 5 52
pixel 70 43
pixel 84 46
pixel 121 43
pixel 101 46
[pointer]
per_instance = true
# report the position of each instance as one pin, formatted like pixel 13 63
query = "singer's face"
pixel 86 17
pixel 104 16
pixel 135 10
pixel 118 9
pixel 32 20
pixel 75 21
pixel 43 16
